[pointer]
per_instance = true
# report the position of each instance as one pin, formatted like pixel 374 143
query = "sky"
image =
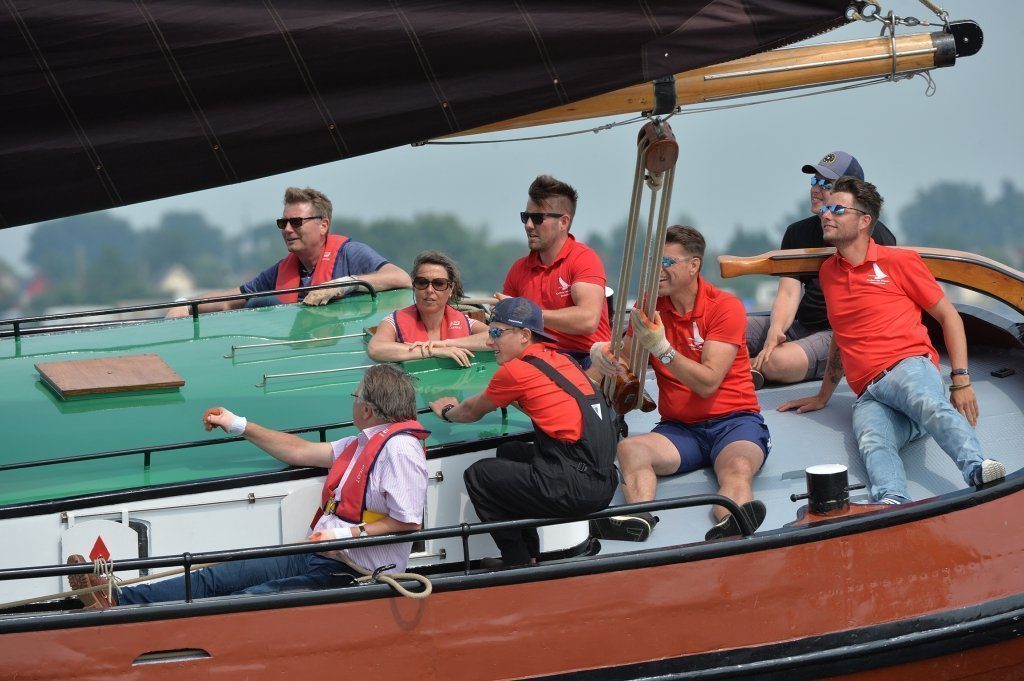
pixel 737 167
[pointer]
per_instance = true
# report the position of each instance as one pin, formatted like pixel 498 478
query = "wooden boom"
pixel 782 69
pixel 974 272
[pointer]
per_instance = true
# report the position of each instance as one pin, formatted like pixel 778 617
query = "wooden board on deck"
pixel 128 373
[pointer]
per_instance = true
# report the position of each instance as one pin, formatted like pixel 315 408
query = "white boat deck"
pixel 802 440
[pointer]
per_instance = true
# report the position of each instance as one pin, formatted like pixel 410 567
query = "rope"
pixel 391 579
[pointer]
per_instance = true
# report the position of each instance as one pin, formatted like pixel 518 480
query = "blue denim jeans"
pixel 254 576
pixel 907 402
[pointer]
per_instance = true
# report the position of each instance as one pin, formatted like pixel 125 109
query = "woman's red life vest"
pixel 352 504
pixel 409 326
pixel 288 269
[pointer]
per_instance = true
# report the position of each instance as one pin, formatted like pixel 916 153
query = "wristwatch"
pixel 667 358
pixel 362 530
pixel 959 372
pixel 444 411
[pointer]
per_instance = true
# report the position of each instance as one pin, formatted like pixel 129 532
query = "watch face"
pixel 667 358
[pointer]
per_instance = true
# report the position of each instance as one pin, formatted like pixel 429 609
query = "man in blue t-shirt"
pixel 305 227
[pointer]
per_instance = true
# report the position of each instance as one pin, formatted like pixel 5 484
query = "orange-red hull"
pixel 768 600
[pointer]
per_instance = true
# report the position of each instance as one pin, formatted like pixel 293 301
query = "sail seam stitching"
pixel 65 106
pixel 542 49
pixel 428 69
pixel 189 95
pixel 340 145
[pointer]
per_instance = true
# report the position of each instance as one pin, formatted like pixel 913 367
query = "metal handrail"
pixel 464 531
pixel 148 451
pixel 192 304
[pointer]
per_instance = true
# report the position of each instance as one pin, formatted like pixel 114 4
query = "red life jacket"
pixel 288 269
pixel 352 506
pixel 409 327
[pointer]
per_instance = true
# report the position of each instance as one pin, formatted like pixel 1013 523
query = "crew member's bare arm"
pixel 470 410
pixel 964 399
pixel 290 449
pixel 787 300
pixel 830 381
pixel 184 311
pixel 582 317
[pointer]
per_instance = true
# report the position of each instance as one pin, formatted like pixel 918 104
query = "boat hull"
pixel 933 591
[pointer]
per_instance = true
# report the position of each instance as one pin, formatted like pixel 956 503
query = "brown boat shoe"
pixel 95 600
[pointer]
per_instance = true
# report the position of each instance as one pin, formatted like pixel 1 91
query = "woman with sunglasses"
pixel 431 327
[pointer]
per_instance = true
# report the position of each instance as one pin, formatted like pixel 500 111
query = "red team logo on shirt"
pixel 456 324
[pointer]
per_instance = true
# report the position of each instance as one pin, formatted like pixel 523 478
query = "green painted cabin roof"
pixel 37 425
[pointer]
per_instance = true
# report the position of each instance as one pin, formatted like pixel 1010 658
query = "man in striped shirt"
pixel 376 485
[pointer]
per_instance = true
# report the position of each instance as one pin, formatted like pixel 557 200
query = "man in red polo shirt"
pixel 710 414
pixel 569 469
pixel 875 295
pixel 562 276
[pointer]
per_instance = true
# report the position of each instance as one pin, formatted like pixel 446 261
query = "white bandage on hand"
pixel 238 425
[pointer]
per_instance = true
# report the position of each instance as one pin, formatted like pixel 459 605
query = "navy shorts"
pixel 699 444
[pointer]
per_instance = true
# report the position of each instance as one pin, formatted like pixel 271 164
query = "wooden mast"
pixel 774 71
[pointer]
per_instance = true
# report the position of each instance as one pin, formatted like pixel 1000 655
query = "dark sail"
pixel 115 102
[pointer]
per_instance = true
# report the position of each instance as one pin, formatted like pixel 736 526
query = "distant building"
pixel 178 282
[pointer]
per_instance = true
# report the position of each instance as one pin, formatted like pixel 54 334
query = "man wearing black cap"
pixel 568 469
pixel 792 344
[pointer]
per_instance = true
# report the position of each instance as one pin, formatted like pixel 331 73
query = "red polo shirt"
pixel 717 316
pixel 552 409
pixel 549 286
pixel 875 310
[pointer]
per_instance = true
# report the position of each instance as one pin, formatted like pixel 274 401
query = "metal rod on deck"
pixel 289 342
pixel 267 377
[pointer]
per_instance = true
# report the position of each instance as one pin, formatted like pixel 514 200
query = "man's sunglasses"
pixel 822 182
pixel 837 209
pixel 667 261
pixel 495 333
pixel 421 284
pixel 537 218
pixel 296 222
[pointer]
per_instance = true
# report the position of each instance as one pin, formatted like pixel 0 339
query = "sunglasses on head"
pixel 837 209
pixel 421 284
pixel 296 222
pixel 537 218
pixel 822 182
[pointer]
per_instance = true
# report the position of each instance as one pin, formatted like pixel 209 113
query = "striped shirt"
pixel 397 488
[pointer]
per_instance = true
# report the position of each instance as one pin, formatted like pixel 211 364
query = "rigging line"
pixel 679 111
pixel 212 141
pixel 595 130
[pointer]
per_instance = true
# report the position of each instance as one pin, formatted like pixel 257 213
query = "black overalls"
pixel 549 477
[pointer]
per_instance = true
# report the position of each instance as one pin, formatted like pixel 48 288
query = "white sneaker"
pixel 990 471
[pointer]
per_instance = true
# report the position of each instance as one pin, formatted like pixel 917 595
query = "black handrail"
pixel 464 530
pixel 148 451
pixel 193 305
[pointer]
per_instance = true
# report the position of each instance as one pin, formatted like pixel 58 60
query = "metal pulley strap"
pixel 664 95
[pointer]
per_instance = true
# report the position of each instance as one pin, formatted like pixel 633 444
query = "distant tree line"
pixel 103 260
